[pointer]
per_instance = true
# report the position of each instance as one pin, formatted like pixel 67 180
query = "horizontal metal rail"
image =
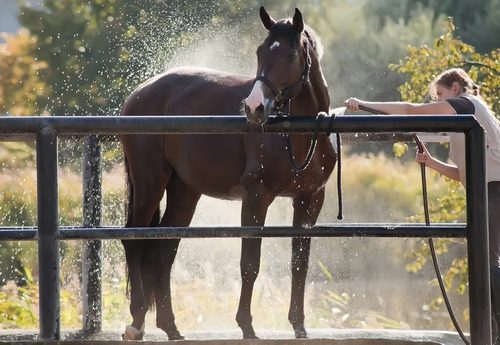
pixel 233 124
pixel 338 230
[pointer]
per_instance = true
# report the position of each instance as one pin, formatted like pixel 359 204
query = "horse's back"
pixel 189 91
pixel 211 164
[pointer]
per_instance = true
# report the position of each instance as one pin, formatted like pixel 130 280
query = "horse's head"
pixel 283 66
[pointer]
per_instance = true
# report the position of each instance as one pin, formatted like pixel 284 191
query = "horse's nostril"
pixel 260 108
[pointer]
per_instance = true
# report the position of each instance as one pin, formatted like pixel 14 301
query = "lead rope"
pixel 312 148
pixel 420 147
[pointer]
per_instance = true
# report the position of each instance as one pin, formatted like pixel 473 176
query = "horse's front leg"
pixel 253 213
pixel 306 211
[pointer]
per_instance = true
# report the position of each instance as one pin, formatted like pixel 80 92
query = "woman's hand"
pixel 424 157
pixel 447 170
pixel 352 104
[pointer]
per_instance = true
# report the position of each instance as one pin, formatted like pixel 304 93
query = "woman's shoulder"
pixel 462 104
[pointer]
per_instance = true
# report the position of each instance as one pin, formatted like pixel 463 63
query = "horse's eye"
pixel 292 57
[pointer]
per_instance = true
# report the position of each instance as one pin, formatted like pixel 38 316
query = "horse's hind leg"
pixel 165 318
pixel 148 184
pixel 306 211
pixel 181 204
pixel 134 251
pixel 135 331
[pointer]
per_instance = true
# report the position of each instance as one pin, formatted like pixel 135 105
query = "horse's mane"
pixel 284 28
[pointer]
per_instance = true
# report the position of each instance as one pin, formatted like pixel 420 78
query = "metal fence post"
pixel 92 249
pixel 48 234
pixel 477 238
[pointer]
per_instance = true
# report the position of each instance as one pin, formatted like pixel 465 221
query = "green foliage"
pixel 391 191
pixel 79 57
pixel 399 149
pixel 448 209
pixel 92 53
pixel 13 266
pixel 423 64
pixel 21 85
pixel 475 20
pixel 79 43
pixel 360 45
pixel 17 304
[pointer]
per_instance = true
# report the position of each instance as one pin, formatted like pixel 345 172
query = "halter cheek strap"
pixel 280 97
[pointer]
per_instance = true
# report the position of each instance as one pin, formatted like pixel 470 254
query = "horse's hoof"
pixel 171 331
pixel 175 336
pixel 132 333
pixel 300 332
pixel 249 334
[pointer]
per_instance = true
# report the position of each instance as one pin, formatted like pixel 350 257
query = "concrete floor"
pixel 316 337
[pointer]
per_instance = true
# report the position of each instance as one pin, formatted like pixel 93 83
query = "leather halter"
pixel 280 97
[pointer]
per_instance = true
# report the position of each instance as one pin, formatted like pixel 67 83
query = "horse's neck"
pixel 317 89
pixel 318 83
pixel 320 88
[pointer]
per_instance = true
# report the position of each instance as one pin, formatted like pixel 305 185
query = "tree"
pixel 475 21
pixel 423 64
pixel 21 86
pixel 96 52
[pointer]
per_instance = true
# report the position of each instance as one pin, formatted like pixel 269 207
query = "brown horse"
pixel 253 167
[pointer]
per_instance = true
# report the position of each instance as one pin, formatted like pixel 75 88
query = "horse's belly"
pixel 210 164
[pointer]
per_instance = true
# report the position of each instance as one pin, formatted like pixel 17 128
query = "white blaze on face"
pixel 256 97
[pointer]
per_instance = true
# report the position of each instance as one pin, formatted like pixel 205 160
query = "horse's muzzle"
pixel 258 115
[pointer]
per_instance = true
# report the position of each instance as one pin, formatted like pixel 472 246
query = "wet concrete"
pixel 316 337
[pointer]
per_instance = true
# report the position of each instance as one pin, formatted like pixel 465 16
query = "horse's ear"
pixel 298 22
pixel 266 19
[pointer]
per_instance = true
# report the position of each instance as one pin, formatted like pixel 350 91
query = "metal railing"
pixel 48 130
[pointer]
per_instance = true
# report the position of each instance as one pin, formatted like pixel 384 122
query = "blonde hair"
pixel 448 77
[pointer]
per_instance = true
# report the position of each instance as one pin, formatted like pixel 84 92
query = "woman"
pixel 455 93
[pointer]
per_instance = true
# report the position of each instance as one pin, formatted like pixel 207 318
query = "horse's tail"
pixel 129 205
pixel 155 221
pixel 129 196
pixel 129 192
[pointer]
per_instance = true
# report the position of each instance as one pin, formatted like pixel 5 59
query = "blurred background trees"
pixel 77 57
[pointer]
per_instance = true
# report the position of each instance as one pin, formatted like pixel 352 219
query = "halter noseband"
pixel 280 97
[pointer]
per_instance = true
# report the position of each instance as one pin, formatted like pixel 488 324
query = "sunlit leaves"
pixel 399 149
pixel 17 308
pixel 423 64
pixel 21 85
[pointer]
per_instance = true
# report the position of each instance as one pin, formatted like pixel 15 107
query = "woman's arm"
pixel 447 170
pixel 402 108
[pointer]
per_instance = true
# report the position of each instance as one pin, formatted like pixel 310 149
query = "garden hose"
pixel 420 146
